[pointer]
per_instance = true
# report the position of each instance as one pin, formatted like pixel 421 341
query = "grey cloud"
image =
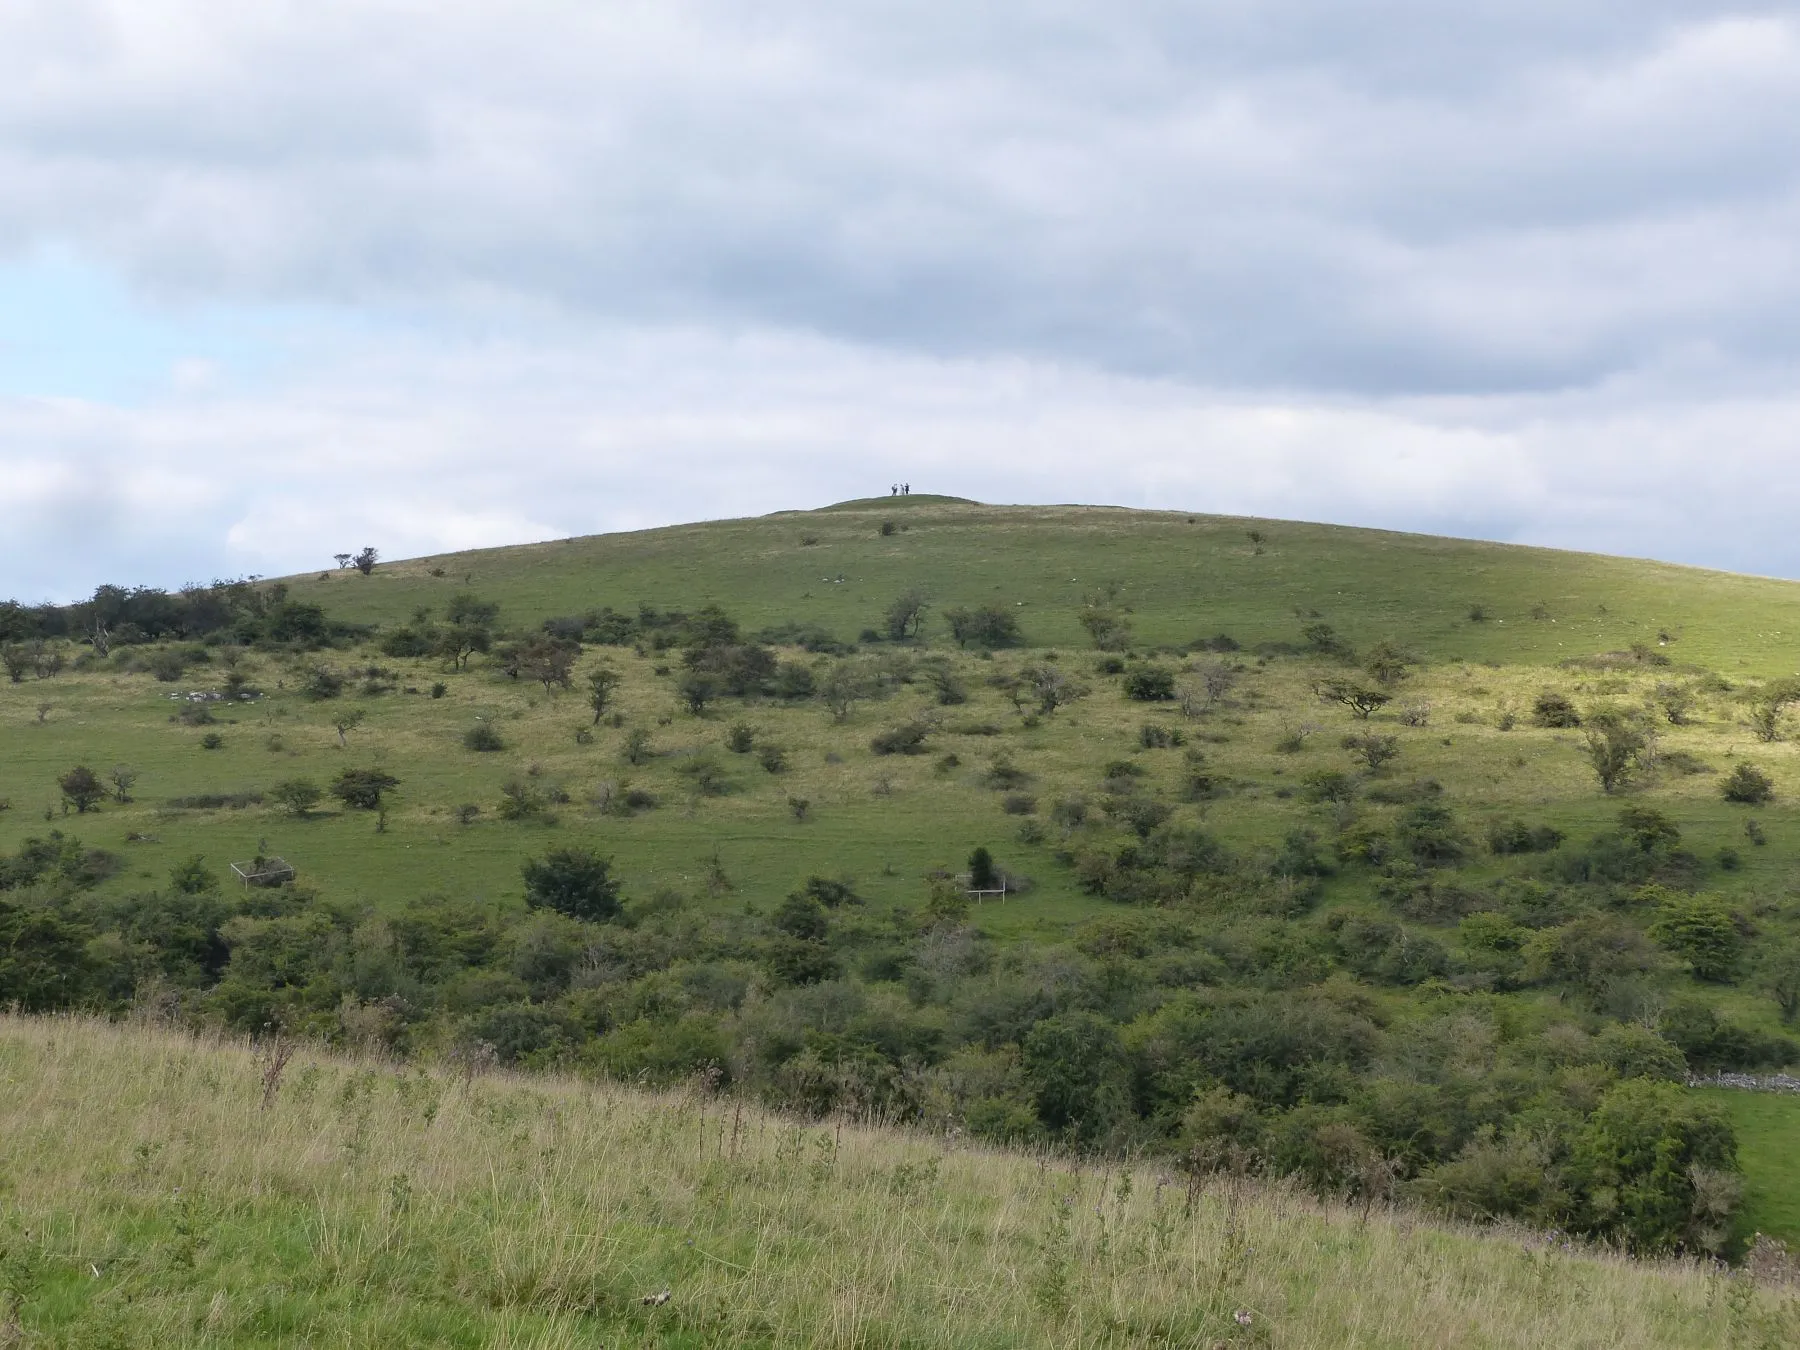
pixel 1384 198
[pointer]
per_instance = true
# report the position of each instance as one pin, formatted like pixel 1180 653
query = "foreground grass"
pixel 147 1198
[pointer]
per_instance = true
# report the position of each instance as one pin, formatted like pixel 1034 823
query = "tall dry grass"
pixel 148 1197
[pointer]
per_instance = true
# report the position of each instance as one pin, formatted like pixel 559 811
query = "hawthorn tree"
pixel 82 788
pixel 1617 748
pixel 362 789
pixel 601 682
pixel 905 617
pixel 574 881
pixel 1359 699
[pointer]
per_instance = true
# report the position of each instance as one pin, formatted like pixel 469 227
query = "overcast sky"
pixel 283 279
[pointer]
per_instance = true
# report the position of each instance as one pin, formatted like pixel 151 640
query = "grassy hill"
pixel 1424 940
pixel 1183 576
pixel 160 1190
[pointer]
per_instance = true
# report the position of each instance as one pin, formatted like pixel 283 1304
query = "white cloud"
pixel 1525 270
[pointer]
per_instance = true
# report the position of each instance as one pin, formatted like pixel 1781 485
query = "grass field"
pixel 1768 1126
pixel 153 1192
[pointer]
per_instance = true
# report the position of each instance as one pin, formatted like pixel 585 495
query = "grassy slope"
pixel 145 1199
pixel 1186 577
pixel 1182 579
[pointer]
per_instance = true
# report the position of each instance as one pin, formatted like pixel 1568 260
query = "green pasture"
pixel 1768 1132
pixel 883 820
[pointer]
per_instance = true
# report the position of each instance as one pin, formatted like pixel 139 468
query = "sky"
pixel 281 280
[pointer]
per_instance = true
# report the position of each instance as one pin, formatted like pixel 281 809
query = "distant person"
pixel 906 489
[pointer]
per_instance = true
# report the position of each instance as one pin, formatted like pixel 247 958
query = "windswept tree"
pixel 1358 698
pixel 366 560
pixel 905 617
pixel 468 628
pixel 345 721
pixel 1771 702
pixel 362 789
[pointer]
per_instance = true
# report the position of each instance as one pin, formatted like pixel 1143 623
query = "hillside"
pixel 1406 867
pixel 165 1191
pixel 1183 576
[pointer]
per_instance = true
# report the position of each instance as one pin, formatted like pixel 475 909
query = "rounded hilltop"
pixel 886 502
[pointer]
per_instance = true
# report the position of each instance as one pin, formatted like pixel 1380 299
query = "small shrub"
pixel 1681 762
pixel 1415 715
pixel 1031 831
pixel 1018 804
pixel 584 735
pixel 799 807
pixel 521 801
pixel 637 747
pixel 216 801
pixel 194 715
pixel 1003 773
pixel 947 763
pixel 466 813
pixel 483 737
pixel 1149 684
pixel 704 773
pixel 212 741
pixel 1153 737
pixel 887 528
pixel 1109 665
pixel 741 739
pixel 772 758
pixel 322 682
pixel 1747 785
pixel 906 739
pixel 439 689
pixel 1515 836
pixel 1552 709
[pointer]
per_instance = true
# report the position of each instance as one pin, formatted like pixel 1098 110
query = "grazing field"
pixel 166 1191
pixel 1768 1129
pixel 1402 869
